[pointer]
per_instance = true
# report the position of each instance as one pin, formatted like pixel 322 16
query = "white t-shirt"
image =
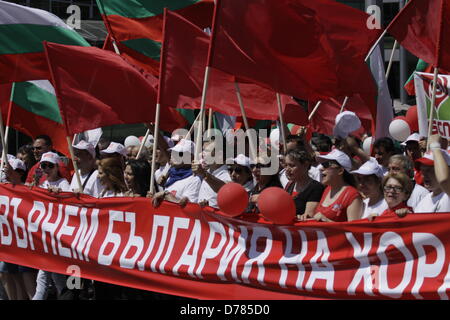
pixel 188 187
pixel 62 184
pixel 314 173
pixel 417 195
pixel 378 208
pixel 93 186
pixel 207 193
pixel 430 204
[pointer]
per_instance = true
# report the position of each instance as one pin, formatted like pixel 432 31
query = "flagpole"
pixel 433 101
pixel 198 139
pixel 280 115
pixel 391 59
pixel 141 146
pixel 314 110
pixel 192 126
pixel 5 137
pixel 155 146
pixel 343 104
pixel 75 166
pixel 253 152
pixel 210 117
pixel 375 45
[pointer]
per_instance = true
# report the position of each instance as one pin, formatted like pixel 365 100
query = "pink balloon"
pixel 232 199
pixel 276 205
pixel 412 118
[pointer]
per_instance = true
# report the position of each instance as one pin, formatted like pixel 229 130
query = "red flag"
pixel 97 88
pixel 422 27
pixel 184 56
pixel 308 49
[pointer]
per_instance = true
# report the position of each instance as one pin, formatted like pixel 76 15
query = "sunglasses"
pixel 328 164
pixel 47 165
pixel 393 189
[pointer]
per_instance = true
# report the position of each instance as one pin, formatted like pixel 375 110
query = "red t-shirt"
pixel 337 211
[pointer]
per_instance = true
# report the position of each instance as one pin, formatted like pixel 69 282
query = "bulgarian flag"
pixel 34 111
pixel 136 25
pixel 22 30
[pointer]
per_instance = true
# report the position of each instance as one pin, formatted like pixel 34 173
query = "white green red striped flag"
pixel 34 111
pixel 22 31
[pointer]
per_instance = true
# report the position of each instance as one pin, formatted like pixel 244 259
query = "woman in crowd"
pixel 306 191
pixel 137 177
pixel 263 181
pixel 19 281
pixel 54 181
pixel 111 176
pixel 397 188
pixel 49 165
pixel 241 173
pixel 368 178
pixel 340 200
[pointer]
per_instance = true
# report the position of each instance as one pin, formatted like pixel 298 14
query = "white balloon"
pixel 399 130
pixel 367 144
pixel 131 141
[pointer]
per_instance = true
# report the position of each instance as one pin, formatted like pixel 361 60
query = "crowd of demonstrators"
pixel 329 180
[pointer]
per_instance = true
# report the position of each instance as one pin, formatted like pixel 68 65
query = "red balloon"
pixel 276 205
pixel 232 199
pixel 412 118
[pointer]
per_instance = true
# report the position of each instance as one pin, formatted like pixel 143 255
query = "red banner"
pixel 209 256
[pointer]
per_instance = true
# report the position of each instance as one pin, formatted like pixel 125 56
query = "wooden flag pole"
pixel 253 152
pixel 75 166
pixel 375 45
pixel 192 127
pixel 280 115
pixel 433 102
pixel 5 138
pixel 155 146
pixel 391 59
pixel 210 118
pixel 343 104
pixel 198 139
pixel 141 146
pixel 314 110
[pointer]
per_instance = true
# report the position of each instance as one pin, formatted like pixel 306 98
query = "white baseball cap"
pixel 242 160
pixel 339 156
pixel 370 167
pixel 346 122
pixel 17 164
pixel 184 146
pixel 428 159
pixel 83 145
pixel 50 157
pixel 115 147
pixel 413 137
pixel 131 141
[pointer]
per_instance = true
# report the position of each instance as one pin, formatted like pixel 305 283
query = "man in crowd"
pixel 84 153
pixel 214 173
